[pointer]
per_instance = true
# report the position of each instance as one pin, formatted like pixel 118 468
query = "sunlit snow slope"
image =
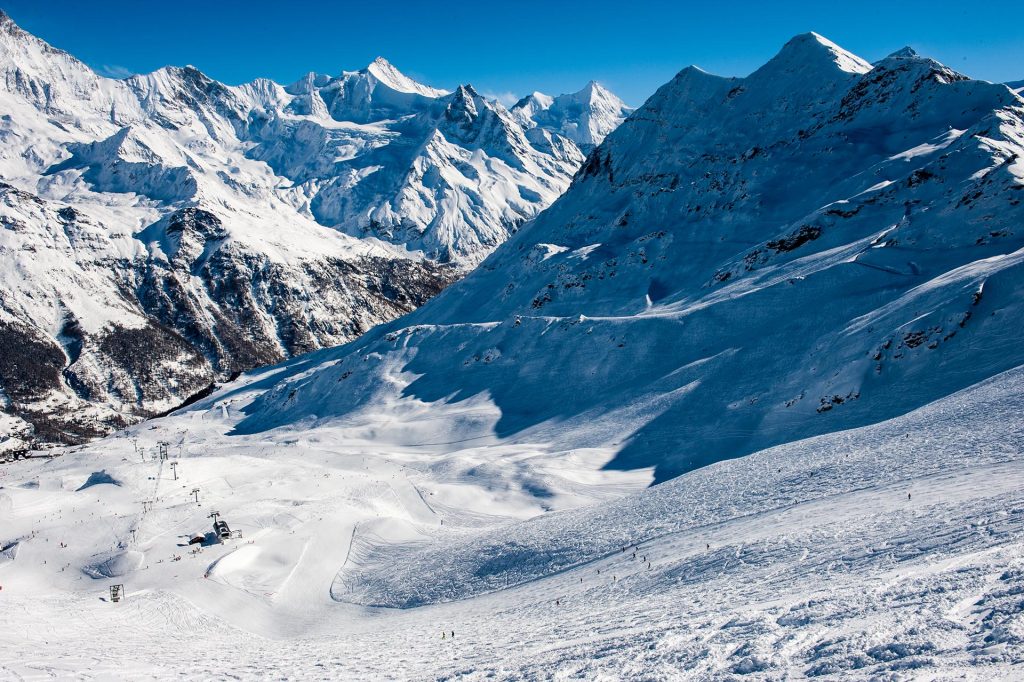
pixel 891 551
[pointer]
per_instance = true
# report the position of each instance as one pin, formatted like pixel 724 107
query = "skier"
pixel 443 634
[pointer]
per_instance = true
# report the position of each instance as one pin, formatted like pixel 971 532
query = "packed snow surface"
pixel 891 551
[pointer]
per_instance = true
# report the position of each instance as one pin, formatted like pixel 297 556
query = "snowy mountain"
pixel 585 117
pixel 798 293
pixel 222 228
pixel 820 245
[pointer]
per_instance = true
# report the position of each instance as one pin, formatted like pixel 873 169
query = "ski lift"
pixel 222 530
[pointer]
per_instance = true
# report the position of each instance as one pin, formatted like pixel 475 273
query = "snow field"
pixel 807 559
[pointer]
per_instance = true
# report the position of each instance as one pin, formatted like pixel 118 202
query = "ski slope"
pixel 892 551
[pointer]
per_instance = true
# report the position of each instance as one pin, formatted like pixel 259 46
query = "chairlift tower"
pixel 195 491
pixel 174 470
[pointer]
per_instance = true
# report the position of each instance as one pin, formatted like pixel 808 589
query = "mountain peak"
pixel 904 53
pixel 812 52
pixel 386 73
pixel 585 116
pixel 592 90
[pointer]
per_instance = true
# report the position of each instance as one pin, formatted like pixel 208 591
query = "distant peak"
pixel 904 53
pixel 591 89
pixel 385 72
pixel 909 57
pixel 594 93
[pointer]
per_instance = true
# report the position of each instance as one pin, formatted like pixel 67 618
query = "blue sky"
pixel 510 48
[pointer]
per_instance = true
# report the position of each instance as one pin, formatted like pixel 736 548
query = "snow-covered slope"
pixel 888 551
pixel 585 117
pixel 221 228
pixel 745 261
